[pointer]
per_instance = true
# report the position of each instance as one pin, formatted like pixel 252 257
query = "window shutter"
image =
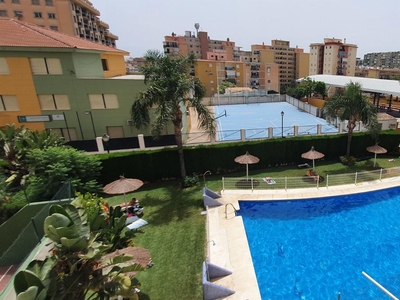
pixel 96 101
pixel 4 66
pixel 54 66
pixel 46 102
pixel 62 102
pixel 10 102
pixel 111 101
pixel 38 66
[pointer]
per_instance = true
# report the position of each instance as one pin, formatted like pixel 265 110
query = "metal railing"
pixel 257 183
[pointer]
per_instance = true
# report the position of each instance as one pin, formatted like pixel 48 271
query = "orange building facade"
pixel 74 17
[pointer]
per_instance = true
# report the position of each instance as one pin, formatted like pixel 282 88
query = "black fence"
pixel 124 143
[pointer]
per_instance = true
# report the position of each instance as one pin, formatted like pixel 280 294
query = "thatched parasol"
pixel 312 155
pixel 122 186
pixel 247 159
pixel 377 150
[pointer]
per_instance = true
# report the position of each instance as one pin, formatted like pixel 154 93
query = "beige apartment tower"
pixel 292 62
pixel 333 57
pixel 74 17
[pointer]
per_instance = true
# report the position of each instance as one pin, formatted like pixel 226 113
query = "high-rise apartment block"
pixel 74 17
pixel 382 59
pixel 333 57
pixel 270 67
pixel 292 61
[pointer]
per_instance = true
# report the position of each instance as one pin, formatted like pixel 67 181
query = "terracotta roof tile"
pixel 15 33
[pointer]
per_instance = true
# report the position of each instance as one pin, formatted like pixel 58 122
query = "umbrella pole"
pixel 126 206
pixel 247 171
pixel 313 164
pixel 375 160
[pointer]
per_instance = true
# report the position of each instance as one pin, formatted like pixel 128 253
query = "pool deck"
pixel 227 245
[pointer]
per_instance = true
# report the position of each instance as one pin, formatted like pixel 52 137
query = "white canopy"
pixel 373 85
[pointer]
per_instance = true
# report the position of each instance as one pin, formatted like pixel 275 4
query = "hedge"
pixel 153 165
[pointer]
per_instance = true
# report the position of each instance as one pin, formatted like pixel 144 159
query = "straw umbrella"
pixel 312 155
pixel 122 186
pixel 247 159
pixel 377 150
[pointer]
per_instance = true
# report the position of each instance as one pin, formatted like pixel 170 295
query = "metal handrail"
pixel 226 209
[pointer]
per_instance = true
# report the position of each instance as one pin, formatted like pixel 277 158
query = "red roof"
pixel 15 33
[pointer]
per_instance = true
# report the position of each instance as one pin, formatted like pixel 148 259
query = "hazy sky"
pixel 141 25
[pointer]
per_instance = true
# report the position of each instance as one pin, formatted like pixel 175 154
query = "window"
pixel 51 15
pixel 104 63
pixel 17 13
pixel 68 134
pixel 49 2
pixel 3 13
pixel 40 66
pixel 35 2
pixel 54 28
pixel 210 65
pixel 54 102
pixel 37 15
pixel 8 103
pixel 115 131
pixel 103 101
pixel 4 66
pixel 15 1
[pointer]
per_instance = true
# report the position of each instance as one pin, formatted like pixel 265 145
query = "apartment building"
pixel 387 73
pixel 382 59
pixel 77 88
pixel 333 57
pixel 200 44
pixel 292 62
pixel 74 17
pixel 270 67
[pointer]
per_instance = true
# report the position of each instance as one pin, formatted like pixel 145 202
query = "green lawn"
pixel 175 234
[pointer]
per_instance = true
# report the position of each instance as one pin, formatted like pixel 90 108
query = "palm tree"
pixel 354 107
pixel 170 90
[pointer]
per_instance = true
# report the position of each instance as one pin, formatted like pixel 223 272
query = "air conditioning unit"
pixel 129 122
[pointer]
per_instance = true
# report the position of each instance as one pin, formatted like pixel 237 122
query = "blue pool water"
pixel 313 249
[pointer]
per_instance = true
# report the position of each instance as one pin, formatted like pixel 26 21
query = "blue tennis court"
pixel 255 119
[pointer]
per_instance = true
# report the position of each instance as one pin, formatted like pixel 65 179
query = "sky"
pixel 141 25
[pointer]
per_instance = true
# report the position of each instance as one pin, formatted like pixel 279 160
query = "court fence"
pixel 257 183
pixel 334 126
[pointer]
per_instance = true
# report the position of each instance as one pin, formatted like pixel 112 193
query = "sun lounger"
pixel 269 180
pixel 305 165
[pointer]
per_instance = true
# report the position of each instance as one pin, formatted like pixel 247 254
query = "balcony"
pixel 102 24
pixel 110 35
pixel 86 4
pixel 78 11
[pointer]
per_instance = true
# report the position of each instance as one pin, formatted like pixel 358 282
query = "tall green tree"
pixel 354 107
pixel 170 89
pixel 224 85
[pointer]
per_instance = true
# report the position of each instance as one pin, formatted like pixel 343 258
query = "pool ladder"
pixel 226 210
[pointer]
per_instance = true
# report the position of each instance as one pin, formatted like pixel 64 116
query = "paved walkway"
pixel 227 241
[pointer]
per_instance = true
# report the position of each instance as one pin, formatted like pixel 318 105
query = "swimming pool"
pixel 313 249
pixel 258 117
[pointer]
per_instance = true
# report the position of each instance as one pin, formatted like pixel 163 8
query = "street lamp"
pixel 282 114
pixel 204 176
pixel 105 139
